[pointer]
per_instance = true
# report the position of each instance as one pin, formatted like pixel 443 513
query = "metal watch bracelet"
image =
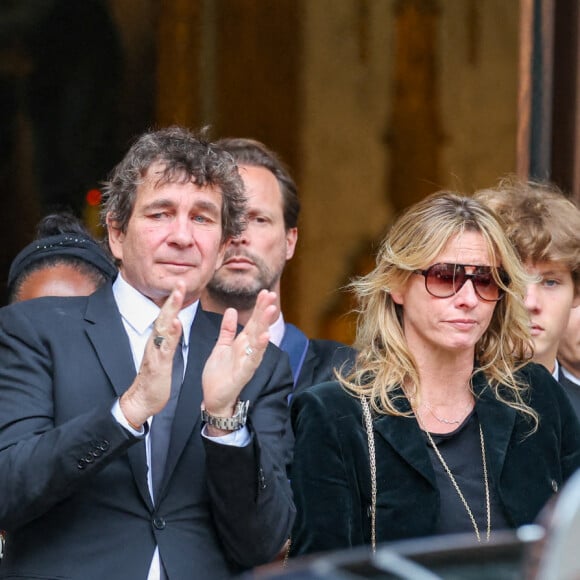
pixel 233 423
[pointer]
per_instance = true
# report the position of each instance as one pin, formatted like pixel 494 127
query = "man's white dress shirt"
pixel 138 314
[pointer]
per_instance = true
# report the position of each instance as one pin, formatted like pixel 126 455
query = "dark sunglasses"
pixel 445 280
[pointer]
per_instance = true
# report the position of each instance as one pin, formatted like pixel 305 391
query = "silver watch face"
pixel 242 411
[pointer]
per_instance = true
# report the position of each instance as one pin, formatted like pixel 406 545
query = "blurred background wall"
pixel 372 103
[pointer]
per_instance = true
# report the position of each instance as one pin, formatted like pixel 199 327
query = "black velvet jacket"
pixel 331 474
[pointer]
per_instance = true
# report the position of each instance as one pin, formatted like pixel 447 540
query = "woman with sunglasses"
pixel 443 426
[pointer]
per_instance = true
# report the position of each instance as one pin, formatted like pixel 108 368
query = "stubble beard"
pixel 233 290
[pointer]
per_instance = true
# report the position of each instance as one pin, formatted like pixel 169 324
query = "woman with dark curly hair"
pixel 63 260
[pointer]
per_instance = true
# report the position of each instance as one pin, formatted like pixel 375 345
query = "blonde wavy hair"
pixel 385 363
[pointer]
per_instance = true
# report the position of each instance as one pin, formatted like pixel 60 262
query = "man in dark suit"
pixel 256 259
pixel 109 468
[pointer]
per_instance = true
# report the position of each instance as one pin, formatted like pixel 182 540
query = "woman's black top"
pixel 461 450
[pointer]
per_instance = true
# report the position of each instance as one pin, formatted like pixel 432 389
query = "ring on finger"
pixel 249 350
pixel 158 340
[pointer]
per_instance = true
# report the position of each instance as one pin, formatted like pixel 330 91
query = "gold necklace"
pixel 448 421
pixel 456 486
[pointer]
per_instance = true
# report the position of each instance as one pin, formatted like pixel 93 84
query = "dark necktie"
pixel 160 432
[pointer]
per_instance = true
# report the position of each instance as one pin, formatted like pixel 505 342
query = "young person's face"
pixel 174 232
pixel 569 346
pixel 549 302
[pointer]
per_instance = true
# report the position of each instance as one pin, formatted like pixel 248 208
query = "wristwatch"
pixel 237 421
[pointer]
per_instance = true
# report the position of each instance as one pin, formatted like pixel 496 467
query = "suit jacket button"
pixel 159 523
pixel 261 479
pixel 81 464
pixel 103 445
pixel 554 485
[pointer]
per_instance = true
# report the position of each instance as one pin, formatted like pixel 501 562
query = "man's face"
pixel 256 259
pixel 549 302
pixel 173 233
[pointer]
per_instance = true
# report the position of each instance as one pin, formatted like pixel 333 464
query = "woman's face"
pixel 447 327
pixel 55 280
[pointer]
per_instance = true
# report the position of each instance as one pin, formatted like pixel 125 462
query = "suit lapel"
pixel 497 421
pixel 202 338
pixel 111 343
pixel 402 434
pixel 296 344
pixel 306 376
pixel 109 339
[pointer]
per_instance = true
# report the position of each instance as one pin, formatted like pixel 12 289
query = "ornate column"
pixel 414 134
